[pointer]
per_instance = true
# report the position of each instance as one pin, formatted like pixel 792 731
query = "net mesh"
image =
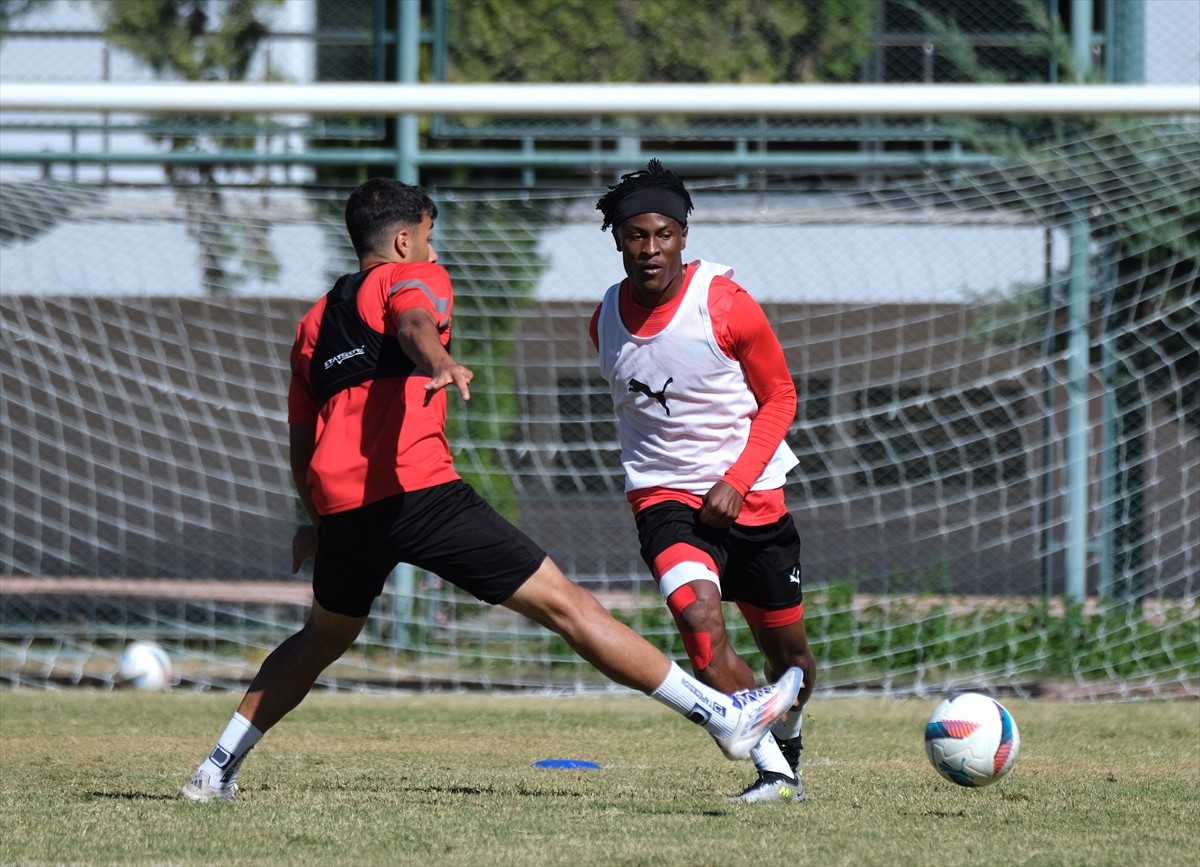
pixel 932 321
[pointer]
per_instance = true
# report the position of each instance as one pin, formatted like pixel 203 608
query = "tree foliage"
pixel 752 41
pixel 11 10
pixel 202 40
pixel 195 40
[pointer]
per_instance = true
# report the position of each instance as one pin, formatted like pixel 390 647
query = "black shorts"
pixel 759 565
pixel 448 530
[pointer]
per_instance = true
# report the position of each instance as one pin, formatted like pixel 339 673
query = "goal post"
pixel 995 354
pixel 535 100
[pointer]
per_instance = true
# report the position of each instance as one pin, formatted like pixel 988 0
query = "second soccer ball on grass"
pixel 144 665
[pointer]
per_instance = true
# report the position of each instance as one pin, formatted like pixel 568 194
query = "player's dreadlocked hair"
pixel 652 190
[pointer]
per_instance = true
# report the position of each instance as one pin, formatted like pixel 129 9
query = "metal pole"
pixel 1050 295
pixel 408 69
pixel 1110 516
pixel 408 58
pixel 1077 414
pixel 1081 38
pixel 1126 48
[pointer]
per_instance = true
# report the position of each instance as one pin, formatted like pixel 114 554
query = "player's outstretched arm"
pixel 417 332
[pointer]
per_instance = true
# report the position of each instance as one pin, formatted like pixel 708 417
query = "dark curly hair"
pixel 652 188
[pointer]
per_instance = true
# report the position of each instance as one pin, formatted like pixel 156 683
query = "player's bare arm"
pixel 417 332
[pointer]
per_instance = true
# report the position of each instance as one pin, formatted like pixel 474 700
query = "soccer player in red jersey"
pixel 703 400
pixel 372 466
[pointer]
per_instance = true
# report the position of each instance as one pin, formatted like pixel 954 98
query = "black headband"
pixel 651 200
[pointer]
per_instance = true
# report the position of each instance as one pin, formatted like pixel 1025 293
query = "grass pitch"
pixel 90 777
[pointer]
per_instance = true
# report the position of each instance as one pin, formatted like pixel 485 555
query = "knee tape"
pixel 684 573
pixel 699 648
pixel 697 644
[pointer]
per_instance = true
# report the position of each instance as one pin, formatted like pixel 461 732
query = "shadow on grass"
pixel 531 792
pixel 129 796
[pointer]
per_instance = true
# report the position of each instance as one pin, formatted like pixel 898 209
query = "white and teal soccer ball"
pixel 971 740
pixel 144 665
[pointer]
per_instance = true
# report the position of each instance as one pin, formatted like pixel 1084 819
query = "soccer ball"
pixel 971 740
pixel 144 665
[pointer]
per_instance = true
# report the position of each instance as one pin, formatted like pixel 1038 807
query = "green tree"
pixel 202 40
pixel 750 41
pixel 11 10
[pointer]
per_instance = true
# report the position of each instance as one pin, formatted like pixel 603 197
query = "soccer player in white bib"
pixel 704 399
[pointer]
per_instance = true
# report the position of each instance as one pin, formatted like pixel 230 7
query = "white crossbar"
pixel 727 100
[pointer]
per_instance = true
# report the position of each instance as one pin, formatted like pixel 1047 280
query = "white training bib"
pixel 683 406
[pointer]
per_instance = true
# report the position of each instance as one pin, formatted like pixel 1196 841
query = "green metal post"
pixel 408 69
pixel 1081 38
pixel 1108 471
pixel 1126 38
pixel 1050 295
pixel 1077 413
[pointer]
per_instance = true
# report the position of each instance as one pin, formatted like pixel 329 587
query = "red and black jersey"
pixel 375 433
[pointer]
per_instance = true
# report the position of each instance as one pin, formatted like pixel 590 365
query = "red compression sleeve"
pixel 744 333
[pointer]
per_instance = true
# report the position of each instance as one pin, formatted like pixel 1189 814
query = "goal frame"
pixel 743 101
pixel 531 100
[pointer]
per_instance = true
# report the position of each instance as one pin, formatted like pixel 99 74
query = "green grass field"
pixel 90 778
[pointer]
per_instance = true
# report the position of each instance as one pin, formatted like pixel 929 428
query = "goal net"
pixel 999 416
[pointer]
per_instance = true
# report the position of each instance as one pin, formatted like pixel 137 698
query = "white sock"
pixel 223 762
pixel 789 727
pixel 768 758
pixel 702 704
